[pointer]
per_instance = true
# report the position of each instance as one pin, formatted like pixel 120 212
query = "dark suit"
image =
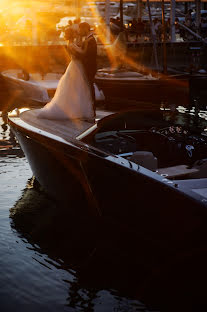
pixel 89 62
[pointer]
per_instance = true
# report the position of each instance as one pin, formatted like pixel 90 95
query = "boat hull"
pixel 66 170
pixel 126 93
pixel 17 93
pixel 165 224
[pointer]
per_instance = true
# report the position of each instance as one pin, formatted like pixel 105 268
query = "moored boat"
pixel 132 144
pixel 18 93
pixel 124 88
pixel 38 87
pixel 143 171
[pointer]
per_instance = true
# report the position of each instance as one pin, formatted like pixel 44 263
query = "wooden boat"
pixel 119 89
pixel 47 82
pixel 123 88
pixel 20 94
pixel 142 172
pixel 36 87
pixel 79 152
pixel 17 93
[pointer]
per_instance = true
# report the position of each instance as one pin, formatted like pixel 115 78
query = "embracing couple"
pixel 74 97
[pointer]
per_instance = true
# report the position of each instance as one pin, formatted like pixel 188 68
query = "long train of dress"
pixel 72 99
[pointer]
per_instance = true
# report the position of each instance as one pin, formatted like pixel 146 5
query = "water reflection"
pixel 9 146
pixel 111 268
pixel 100 259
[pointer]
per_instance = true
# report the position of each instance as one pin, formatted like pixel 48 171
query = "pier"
pixel 181 56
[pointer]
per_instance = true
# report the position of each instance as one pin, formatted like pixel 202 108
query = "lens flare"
pixel 31 22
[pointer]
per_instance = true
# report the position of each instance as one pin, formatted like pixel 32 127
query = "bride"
pixel 73 96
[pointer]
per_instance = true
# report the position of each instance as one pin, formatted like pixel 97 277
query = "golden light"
pixel 15 112
pixel 31 21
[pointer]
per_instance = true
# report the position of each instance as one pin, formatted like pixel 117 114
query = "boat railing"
pixel 192 32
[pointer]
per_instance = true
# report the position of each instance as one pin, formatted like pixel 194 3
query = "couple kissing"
pixel 75 96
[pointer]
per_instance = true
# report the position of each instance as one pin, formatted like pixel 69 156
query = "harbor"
pixel 103 179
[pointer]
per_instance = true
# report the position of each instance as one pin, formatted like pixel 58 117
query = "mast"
pixel 164 39
pixel 153 36
pixel 107 20
pixel 138 9
pixel 121 14
pixel 172 20
pixel 198 15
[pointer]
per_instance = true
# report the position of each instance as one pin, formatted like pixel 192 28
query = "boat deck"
pixel 65 129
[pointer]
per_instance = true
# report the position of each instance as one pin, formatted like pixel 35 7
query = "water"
pixel 47 261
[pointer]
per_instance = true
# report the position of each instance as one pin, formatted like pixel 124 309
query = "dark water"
pixel 48 261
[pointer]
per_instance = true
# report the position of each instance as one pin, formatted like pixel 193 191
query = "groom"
pixel 87 55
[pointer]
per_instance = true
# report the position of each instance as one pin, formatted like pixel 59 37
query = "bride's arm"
pixel 70 48
pixel 77 50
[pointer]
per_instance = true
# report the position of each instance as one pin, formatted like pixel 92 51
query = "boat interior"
pixel 175 152
pixel 173 156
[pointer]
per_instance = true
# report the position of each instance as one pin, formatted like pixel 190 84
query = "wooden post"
pixel 139 9
pixel 107 20
pixel 164 39
pixel 121 14
pixel 186 8
pixel 198 15
pixel 153 36
pixel 172 20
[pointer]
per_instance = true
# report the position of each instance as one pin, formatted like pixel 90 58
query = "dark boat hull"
pixel 124 93
pixel 62 168
pixel 17 93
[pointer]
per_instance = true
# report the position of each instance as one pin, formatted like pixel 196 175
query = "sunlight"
pixel 15 112
pixel 32 23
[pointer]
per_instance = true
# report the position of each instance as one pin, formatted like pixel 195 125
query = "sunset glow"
pixel 33 24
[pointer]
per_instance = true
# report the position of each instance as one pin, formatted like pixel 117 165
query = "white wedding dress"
pixel 72 99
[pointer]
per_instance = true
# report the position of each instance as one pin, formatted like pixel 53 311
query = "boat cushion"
pixel 145 159
pixel 177 171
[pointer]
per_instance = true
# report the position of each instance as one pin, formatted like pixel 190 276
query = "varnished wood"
pixel 68 128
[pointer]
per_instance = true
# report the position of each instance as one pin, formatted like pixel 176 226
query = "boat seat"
pixel 145 159
pixel 198 186
pixel 177 171
pixel 201 166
